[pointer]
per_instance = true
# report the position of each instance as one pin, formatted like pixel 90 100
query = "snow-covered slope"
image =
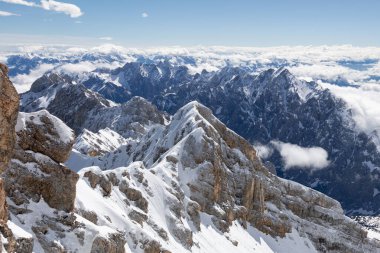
pixel 194 185
pixel 153 225
pixel 94 144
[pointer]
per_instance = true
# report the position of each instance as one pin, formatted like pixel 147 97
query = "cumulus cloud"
pixel 295 156
pixel 69 9
pixel 144 15
pixel 7 14
pixel 20 2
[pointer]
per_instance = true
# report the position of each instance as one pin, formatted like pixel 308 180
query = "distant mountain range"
pixel 268 109
pixel 149 182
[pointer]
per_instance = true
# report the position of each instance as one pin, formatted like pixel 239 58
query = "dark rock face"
pixel 108 90
pixel 69 102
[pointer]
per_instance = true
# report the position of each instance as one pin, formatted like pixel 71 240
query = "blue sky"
pixel 141 23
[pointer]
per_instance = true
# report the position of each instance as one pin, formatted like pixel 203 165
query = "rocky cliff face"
pixel 197 173
pixel 9 104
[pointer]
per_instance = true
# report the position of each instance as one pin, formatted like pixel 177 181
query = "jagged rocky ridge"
pixel 37 192
pixel 273 105
pixel 187 182
pixel 81 108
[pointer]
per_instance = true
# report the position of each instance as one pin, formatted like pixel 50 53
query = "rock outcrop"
pixel 9 104
pixel 43 143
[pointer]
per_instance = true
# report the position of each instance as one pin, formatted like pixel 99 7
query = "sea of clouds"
pixel 351 73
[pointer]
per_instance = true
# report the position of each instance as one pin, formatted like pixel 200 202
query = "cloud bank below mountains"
pixel 351 73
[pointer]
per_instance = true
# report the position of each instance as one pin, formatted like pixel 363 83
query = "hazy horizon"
pixel 173 23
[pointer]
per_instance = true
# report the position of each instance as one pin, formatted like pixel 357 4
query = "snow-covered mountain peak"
pixel 285 84
pixel 203 174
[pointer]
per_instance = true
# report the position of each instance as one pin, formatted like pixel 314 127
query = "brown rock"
pixel 43 133
pixel 3 204
pixel 134 195
pixel 113 244
pixel 43 142
pixel 89 215
pixel 9 104
pixel 154 247
pixel 54 182
pixel 100 180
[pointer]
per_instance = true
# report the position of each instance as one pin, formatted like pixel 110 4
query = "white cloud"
pixel 364 102
pixel 295 156
pixel 69 9
pixel 86 66
pixel 21 2
pixel 263 151
pixel 144 15
pixel 23 82
pixel 7 14
pixel 106 38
